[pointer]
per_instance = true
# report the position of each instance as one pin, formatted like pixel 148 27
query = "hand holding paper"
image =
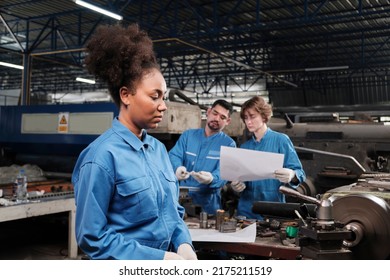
pixel 284 175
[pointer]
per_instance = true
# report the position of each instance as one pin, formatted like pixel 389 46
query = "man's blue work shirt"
pixel 197 153
pixel 268 189
pixel 127 198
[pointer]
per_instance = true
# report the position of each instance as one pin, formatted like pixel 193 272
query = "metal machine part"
pixel 191 209
pixel 219 218
pixel 335 154
pixel 281 209
pixel 324 206
pixel 371 148
pixel 307 188
pixel 349 222
pixel 368 217
pixel 228 226
pixel 203 222
pixel 321 237
pixel 363 212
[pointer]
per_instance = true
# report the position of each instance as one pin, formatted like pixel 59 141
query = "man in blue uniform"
pixel 195 157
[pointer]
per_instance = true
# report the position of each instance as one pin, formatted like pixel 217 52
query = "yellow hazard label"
pixel 63 120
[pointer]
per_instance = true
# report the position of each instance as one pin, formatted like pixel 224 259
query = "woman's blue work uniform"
pixel 268 189
pixel 127 198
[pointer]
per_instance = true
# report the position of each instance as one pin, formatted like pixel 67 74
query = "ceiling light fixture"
pixel 88 81
pixel 11 65
pixel 326 68
pixel 99 10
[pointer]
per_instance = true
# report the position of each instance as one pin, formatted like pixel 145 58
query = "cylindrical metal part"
pixel 203 220
pixel 219 218
pixel 294 193
pixel 282 209
pixel 324 211
pixel 358 233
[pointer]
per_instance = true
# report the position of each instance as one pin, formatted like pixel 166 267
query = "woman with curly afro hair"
pixel 125 189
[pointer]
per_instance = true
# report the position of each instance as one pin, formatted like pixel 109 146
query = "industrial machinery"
pixel 350 222
pixel 52 136
pixel 335 154
pixel 364 207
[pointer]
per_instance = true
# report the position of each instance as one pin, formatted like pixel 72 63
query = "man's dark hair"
pixel 224 104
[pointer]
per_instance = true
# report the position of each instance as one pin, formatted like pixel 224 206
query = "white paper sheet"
pixel 248 165
pixel 246 235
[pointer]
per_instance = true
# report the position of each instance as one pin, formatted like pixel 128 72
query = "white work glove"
pixel 237 186
pixel 186 252
pixel 172 256
pixel 284 175
pixel 182 173
pixel 203 177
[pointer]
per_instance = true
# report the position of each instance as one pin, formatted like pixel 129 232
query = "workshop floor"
pixel 37 238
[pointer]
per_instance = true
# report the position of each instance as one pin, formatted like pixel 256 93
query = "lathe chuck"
pixel 368 216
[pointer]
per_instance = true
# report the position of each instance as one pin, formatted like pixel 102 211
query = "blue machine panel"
pixel 15 144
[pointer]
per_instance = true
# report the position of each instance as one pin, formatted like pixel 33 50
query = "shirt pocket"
pixel 169 176
pixel 169 179
pixel 138 200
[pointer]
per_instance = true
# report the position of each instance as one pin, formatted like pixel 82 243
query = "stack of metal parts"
pixel 223 223
pixel 191 209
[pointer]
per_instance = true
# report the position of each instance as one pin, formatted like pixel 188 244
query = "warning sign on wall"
pixel 63 122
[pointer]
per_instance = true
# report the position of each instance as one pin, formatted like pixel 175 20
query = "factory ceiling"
pixel 303 53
